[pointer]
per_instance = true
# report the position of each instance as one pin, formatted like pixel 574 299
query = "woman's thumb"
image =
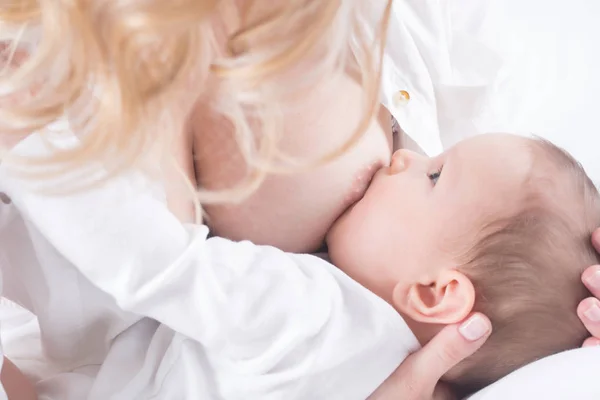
pixel 450 346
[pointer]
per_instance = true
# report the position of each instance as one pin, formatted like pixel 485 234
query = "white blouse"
pixel 132 304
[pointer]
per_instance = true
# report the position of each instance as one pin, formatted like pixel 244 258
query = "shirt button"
pixel 401 98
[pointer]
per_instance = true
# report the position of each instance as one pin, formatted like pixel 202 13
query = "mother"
pixel 275 90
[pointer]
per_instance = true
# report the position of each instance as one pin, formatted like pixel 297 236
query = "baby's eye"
pixel 435 176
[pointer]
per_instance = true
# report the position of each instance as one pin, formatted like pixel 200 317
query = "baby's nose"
pixel 397 165
pixel 402 160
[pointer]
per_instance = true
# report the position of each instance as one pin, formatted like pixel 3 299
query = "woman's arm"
pixel 16 385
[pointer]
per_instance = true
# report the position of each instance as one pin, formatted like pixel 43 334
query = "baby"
pixel 498 224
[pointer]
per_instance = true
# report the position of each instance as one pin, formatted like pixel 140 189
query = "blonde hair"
pixel 527 268
pixel 121 72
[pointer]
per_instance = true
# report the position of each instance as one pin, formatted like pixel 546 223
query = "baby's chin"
pixel 331 237
pixel 347 225
pixel 361 183
pixel 340 237
pixel 334 237
pixel 345 231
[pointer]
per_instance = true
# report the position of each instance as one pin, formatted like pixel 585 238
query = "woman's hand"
pixel 589 309
pixel 417 377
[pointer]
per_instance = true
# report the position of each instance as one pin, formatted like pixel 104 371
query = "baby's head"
pixel 499 224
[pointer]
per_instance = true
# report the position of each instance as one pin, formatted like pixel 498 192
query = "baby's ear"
pixel 446 300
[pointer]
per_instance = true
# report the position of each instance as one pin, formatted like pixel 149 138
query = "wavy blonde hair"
pixel 120 73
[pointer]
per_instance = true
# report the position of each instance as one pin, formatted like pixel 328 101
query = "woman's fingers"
pixel 589 309
pixel 591 278
pixel 589 313
pixel 418 376
pixel 452 345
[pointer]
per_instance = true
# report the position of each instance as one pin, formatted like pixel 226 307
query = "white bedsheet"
pixel 565 376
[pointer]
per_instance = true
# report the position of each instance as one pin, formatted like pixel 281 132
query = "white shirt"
pixel 436 56
pixel 89 294
pixel 233 320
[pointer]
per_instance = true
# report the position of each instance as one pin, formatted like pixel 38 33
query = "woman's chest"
pixel 292 210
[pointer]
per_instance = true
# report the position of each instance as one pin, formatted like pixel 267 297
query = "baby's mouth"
pixel 361 183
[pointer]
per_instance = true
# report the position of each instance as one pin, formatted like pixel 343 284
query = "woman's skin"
pixel 294 211
pixel 418 377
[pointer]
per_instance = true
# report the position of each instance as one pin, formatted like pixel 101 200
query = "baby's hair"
pixel 527 268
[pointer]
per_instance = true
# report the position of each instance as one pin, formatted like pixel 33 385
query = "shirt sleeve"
pixel 271 323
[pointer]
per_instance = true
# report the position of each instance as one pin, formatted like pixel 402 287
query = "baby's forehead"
pixel 489 175
pixel 498 163
pixel 531 172
pixel 514 176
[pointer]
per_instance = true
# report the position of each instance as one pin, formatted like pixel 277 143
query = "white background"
pixel 550 83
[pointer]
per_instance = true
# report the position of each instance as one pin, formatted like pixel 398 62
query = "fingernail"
pixel 593 313
pixel 594 279
pixel 474 328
